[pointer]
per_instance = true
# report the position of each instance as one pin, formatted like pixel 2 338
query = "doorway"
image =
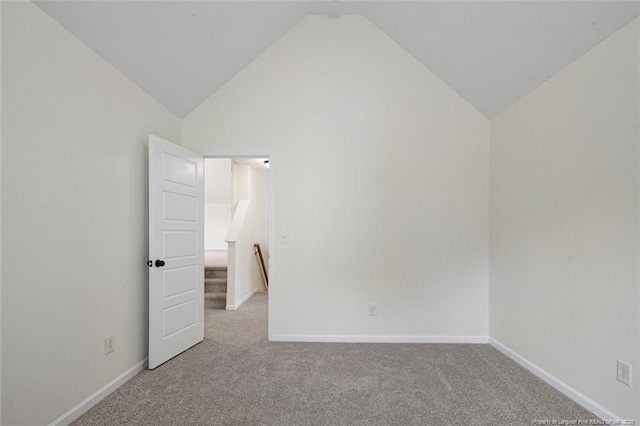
pixel 177 273
pixel 236 225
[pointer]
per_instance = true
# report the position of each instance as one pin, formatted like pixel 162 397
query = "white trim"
pixel 272 245
pixel 556 383
pixel 343 338
pixel 244 299
pixel 86 404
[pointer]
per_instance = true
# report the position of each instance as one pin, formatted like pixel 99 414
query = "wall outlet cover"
pixel 624 372
pixel 373 309
pixel 109 344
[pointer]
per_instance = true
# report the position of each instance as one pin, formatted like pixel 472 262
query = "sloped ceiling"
pixel 491 53
pixel 178 52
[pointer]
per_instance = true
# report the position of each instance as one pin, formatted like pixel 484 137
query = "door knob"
pixel 159 263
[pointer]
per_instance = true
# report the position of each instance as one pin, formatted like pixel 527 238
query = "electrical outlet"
pixel 109 344
pixel 373 309
pixel 624 372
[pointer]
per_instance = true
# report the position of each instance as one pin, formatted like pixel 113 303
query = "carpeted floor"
pixel 237 377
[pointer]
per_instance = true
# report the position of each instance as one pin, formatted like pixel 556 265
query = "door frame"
pixel 270 210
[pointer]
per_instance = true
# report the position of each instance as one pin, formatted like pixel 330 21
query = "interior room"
pixel 449 212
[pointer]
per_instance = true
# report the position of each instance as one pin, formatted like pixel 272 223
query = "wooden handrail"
pixel 263 269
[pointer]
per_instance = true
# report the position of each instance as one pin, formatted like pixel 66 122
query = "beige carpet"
pixel 237 377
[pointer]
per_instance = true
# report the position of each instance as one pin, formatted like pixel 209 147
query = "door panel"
pixel 176 249
pixel 179 207
pixel 179 318
pixel 179 244
pixel 179 280
pixel 179 170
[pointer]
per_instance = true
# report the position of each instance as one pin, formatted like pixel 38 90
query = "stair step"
pixel 215 272
pixel 215 285
pixel 215 300
pixel 215 296
pixel 215 304
pixel 215 280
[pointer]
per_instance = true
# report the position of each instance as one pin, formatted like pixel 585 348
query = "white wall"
pixel 253 184
pixel 564 223
pixel 218 199
pixel 240 285
pixel 258 217
pixel 249 225
pixel 380 175
pixel 218 180
pixel 74 242
pixel 0 213
pixel 217 218
pixel 240 182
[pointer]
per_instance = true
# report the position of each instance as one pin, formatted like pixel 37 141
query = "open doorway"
pixel 236 223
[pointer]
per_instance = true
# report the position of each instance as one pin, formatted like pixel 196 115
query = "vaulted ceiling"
pixel 491 53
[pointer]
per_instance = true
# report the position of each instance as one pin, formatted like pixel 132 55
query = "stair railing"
pixel 263 269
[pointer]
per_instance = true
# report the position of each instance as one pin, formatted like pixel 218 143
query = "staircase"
pixel 215 287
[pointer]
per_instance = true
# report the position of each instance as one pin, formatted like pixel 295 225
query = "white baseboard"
pixel 343 338
pixel 557 384
pixel 86 404
pixel 244 299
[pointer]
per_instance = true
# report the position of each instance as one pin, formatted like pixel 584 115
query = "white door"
pixel 176 250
